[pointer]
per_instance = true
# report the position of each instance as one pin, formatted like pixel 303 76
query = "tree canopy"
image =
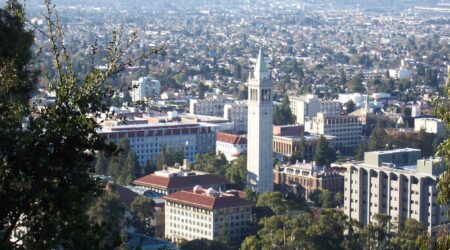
pixel 324 154
pixel 48 153
pixel 282 113
pixel 203 244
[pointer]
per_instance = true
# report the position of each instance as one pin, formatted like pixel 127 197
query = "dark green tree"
pixel 169 157
pixel 378 139
pixel 17 73
pixel 236 172
pixel 342 77
pixel 297 156
pixel 203 244
pixel 328 231
pixel 326 198
pixel 131 168
pixel 238 71
pixel 109 211
pixel 350 106
pixel 212 163
pixel 409 231
pixel 251 243
pixel 116 166
pixel 356 85
pixel 273 200
pixel 142 211
pixel 324 154
pixel 315 197
pixel 47 162
pixel 150 167
pixel 101 163
pixel 443 112
pixel 362 148
pixel 282 113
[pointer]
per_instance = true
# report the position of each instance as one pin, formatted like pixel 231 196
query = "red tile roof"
pixel 204 201
pixel 230 138
pixel 152 180
pixel 179 182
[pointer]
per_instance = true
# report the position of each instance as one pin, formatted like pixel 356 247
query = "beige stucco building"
pixel 207 214
pixel 307 106
pixel 397 183
pixel 347 130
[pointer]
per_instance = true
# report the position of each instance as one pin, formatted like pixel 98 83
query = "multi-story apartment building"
pixel 144 88
pixel 347 130
pixel 173 179
pixel 397 183
pixel 207 214
pixel 306 107
pixel 147 140
pixel 210 106
pixel 230 145
pixel 237 113
pixel 305 178
pixel 430 125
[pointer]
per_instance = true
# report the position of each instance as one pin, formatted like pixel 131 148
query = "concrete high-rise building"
pixel 147 140
pixel 211 106
pixel 430 125
pixel 347 130
pixel 260 121
pixel 144 88
pixel 307 106
pixel 236 112
pixel 397 183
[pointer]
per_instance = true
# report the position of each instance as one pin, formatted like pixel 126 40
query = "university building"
pixel 288 139
pixel 305 178
pixel 147 140
pixel 231 145
pixel 397 183
pixel 173 179
pixel 237 113
pixel 144 88
pixel 306 107
pixel 346 130
pixel 210 107
pixel 207 214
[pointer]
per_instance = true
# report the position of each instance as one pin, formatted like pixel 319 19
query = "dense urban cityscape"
pixel 225 124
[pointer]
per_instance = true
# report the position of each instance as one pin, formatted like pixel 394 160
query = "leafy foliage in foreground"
pixel 47 152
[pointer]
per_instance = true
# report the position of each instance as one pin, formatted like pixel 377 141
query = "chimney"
pixel 186 164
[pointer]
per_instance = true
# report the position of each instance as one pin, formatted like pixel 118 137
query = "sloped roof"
pixel 204 201
pixel 179 182
pixel 230 138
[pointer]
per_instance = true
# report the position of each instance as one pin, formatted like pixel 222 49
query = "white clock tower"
pixel 260 122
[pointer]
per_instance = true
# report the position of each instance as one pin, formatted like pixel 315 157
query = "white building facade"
pixel 260 123
pixel 237 113
pixel 346 130
pixel 144 88
pixel 210 106
pixel 231 145
pixel 306 107
pixel 147 140
pixel 430 125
